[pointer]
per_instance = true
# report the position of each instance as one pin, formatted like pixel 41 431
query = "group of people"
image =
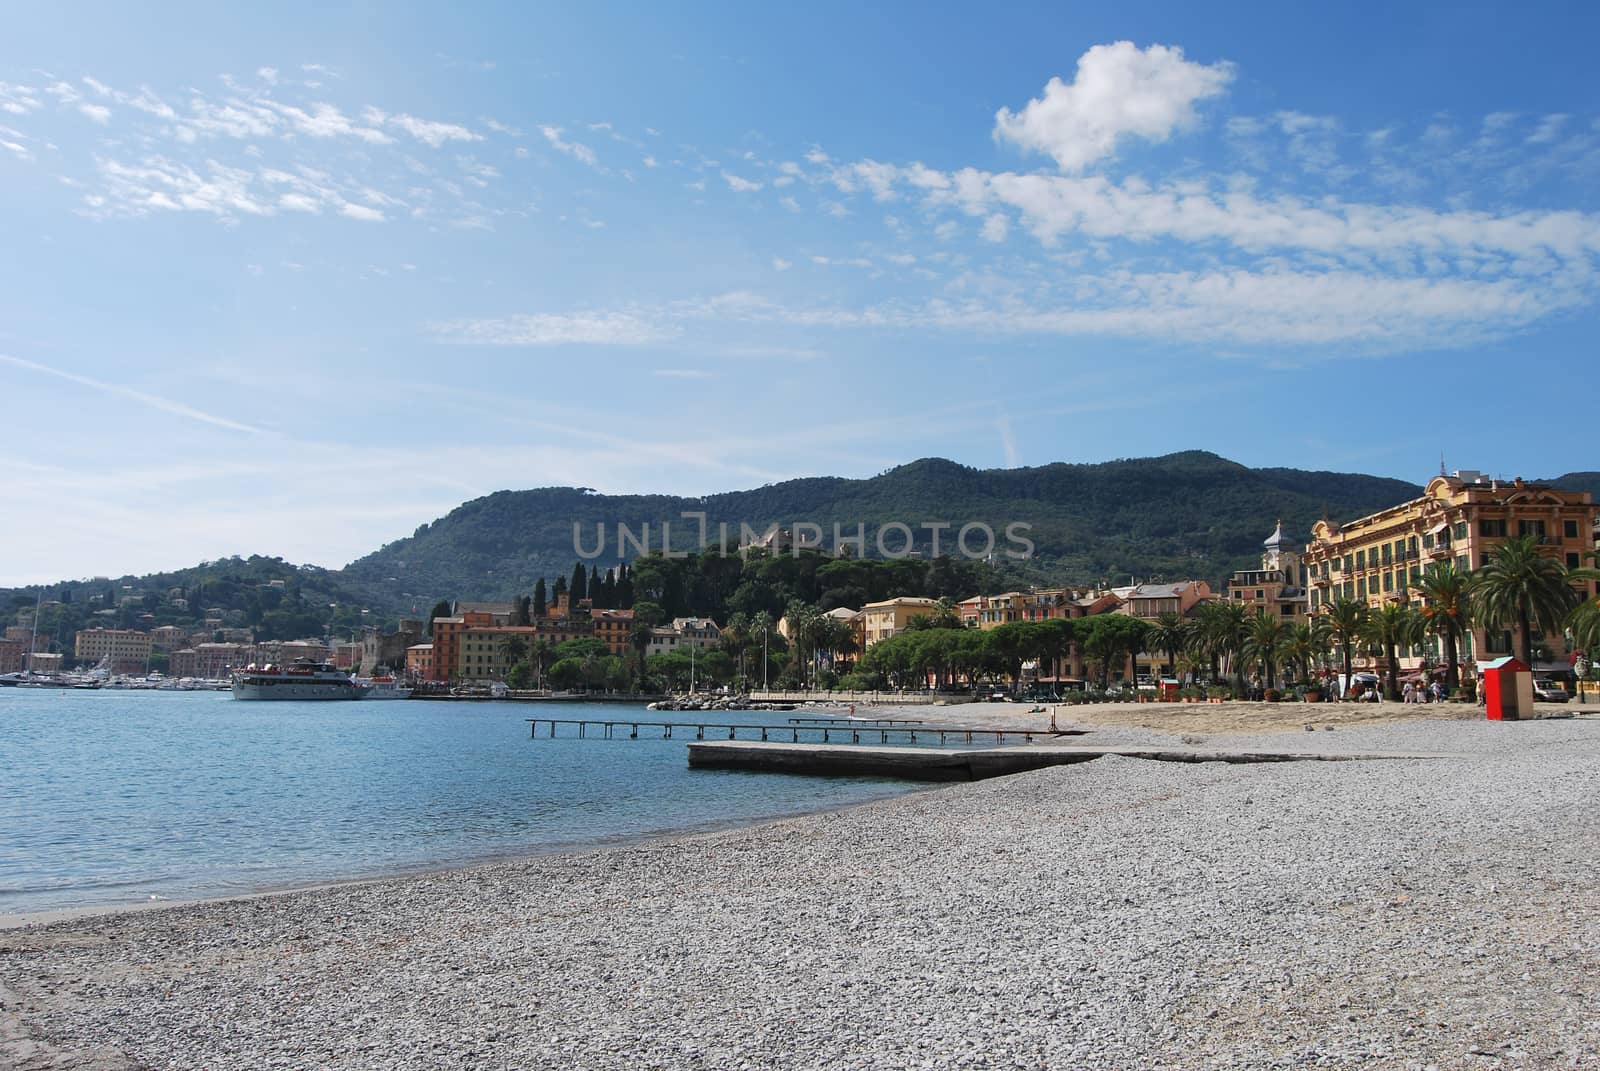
pixel 1422 693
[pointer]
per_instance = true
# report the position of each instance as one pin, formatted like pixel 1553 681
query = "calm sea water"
pixel 117 797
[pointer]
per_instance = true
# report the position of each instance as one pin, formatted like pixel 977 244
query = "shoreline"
pixel 1119 914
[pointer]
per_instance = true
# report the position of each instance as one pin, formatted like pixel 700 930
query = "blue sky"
pixel 294 281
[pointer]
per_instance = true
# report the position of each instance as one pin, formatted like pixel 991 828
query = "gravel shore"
pixel 1117 914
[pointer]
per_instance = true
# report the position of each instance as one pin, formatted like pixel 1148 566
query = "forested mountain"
pixel 1190 514
pixel 1182 515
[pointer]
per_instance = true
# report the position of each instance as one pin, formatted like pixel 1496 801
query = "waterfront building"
pixel 169 638
pixel 447 640
pixel 213 661
pixel 1150 601
pixel 13 653
pixel 127 650
pixel 1463 517
pixel 419 660
pixel 880 620
pixel 1279 586
pixel 614 627
pixel 486 654
pixel 45 662
pixel 346 655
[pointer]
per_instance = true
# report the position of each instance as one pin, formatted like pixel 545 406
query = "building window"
pixel 1497 641
pixel 1361 559
pixel 1387 554
pixel 1570 529
pixel 1492 529
pixel 1533 528
pixel 1459 532
pixel 1361 588
pixel 1388 582
pixel 1572 559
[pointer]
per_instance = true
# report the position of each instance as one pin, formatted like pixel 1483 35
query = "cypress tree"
pixel 624 599
pixel 440 609
pixel 540 602
pixel 597 594
pixel 609 585
pixel 579 587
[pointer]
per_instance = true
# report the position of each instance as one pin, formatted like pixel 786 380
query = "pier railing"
pixel 824 731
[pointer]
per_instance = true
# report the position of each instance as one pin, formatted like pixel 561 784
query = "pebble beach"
pixel 1422 913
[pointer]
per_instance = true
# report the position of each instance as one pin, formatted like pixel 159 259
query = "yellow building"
pixel 880 620
pixel 1462 517
pixel 1279 586
pixel 127 649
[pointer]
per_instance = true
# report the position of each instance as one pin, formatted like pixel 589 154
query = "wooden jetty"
pixel 972 764
pixel 831 731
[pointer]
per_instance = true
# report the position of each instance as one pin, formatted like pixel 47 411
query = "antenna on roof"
pixel 1441 462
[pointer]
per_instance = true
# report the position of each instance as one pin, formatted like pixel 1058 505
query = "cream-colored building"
pixel 1462 518
pixel 1278 588
pixel 128 650
pixel 880 620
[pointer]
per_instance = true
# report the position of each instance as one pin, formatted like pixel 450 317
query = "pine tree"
pixel 540 602
pixel 578 588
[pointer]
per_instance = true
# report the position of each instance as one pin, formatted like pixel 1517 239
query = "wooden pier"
pixel 831 731
pixel 953 764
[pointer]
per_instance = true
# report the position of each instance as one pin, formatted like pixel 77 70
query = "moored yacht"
pixel 301 679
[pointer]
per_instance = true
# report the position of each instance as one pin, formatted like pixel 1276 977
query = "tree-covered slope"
pixel 1186 514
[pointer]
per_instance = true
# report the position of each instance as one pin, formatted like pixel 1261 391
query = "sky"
pixel 294 280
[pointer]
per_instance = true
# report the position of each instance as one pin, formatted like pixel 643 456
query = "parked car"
pixel 1549 692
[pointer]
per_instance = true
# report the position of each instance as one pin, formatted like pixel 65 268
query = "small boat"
pixel 384 688
pixel 301 679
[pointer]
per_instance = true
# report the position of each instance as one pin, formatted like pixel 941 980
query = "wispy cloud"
pixel 682 373
pixel 151 400
pixel 586 328
pixel 578 151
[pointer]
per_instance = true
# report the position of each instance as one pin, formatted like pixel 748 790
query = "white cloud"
pixel 1549 127
pixel 740 185
pixel 268 75
pixel 779 264
pixel 18 99
pixel 361 212
pixel 581 153
pixel 995 228
pixel 682 373
pixel 604 328
pixel 434 134
pixel 1120 91
pixel 98 112
pixel 790 203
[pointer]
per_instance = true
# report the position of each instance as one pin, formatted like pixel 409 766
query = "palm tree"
pixel 1169 635
pixel 1392 626
pixel 1300 648
pixel 1226 632
pixel 513 649
pixel 1521 586
pixel 1446 613
pixel 1264 643
pixel 1344 622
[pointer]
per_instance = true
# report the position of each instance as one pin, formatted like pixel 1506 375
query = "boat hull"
pixel 300 690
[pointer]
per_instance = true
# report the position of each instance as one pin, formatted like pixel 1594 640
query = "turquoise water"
pixel 109 798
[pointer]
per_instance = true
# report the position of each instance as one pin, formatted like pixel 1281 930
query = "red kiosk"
pixel 1507 689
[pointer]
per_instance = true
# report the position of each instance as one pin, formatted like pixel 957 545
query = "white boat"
pixel 384 688
pixel 302 679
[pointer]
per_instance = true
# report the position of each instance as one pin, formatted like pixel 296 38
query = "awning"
pixel 1436 529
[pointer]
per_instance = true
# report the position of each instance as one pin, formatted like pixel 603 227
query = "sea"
pixel 110 798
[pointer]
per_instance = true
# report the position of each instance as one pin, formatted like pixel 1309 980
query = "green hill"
pixel 1182 515
pixel 1190 514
